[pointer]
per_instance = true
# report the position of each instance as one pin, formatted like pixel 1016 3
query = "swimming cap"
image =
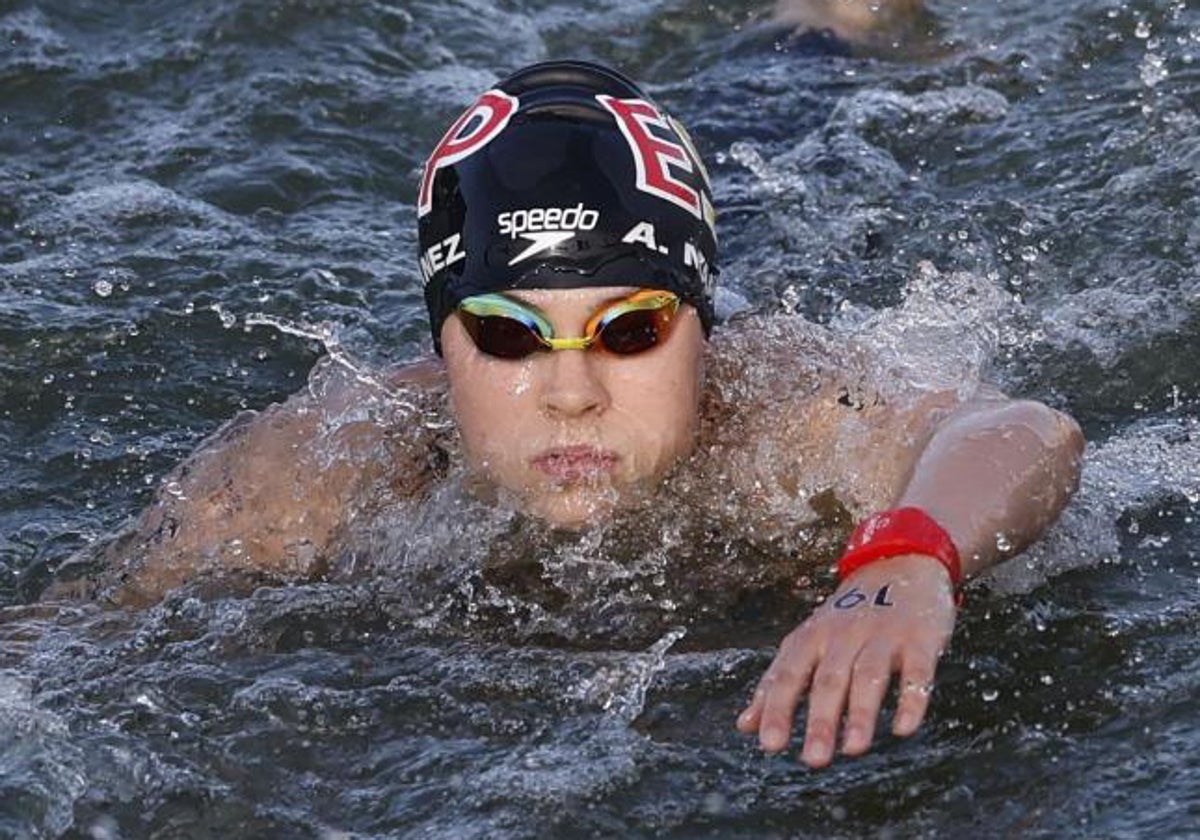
pixel 565 175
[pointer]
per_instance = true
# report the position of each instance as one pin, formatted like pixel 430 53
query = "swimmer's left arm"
pixel 995 474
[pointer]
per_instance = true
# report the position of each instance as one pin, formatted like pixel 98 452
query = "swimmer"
pixel 569 258
pixel 854 21
pixel 898 28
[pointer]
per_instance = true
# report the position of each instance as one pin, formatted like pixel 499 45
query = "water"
pixel 196 198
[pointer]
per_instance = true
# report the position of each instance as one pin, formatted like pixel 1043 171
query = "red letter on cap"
pixel 494 109
pixel 652 155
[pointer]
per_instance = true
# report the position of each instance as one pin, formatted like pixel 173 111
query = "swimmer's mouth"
pixel 575 463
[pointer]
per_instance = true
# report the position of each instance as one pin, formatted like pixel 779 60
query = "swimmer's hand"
pixel 892 616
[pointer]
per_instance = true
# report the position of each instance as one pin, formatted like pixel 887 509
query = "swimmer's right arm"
pixel 270 493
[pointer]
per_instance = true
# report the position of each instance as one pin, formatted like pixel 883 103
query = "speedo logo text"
pixel 545 227
pixel 537 219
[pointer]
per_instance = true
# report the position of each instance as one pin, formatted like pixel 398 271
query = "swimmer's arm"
pixel 855 21
pixel 992 466
pixel 996 474
pixel 269 494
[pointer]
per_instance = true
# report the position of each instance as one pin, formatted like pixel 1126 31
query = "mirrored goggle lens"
pixel 623 333
pixel 502 336
pixel 637 330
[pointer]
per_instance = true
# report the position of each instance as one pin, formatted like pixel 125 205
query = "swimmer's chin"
pixel 570 505
pixel 574 508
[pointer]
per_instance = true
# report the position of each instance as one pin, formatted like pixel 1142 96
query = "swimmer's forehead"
pixel 595 296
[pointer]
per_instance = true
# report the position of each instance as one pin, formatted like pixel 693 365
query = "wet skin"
pixel 855 21
pixel 633 417
pixel 571 435
pixel 844 656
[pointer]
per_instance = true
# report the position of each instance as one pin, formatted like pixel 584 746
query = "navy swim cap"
pixel 565 175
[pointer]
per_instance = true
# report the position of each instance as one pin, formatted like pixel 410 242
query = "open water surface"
pixel 188 190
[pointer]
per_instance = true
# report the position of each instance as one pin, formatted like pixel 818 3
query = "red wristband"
pixel 891 533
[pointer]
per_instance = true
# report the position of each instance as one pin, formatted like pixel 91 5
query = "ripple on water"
pixel 257 159
pixel 41 764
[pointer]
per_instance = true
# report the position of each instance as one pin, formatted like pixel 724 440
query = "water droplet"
pixel 102 288
pixel 990 695
pixel 1003 543
pixel 1153 69
pixel 715 803
pixel 228 319
pixel 524 380
pixel 1142 30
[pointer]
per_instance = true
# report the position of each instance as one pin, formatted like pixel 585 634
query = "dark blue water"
pixel 1013 190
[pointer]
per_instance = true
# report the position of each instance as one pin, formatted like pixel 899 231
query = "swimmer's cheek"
pixel 893 617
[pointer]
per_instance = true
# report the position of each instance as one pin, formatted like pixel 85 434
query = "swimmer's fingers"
pixel 916 685
pixel 773 709
pixel 869 679
pixel 751 716
pixel 826 701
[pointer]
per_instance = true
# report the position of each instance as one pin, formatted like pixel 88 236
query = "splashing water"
pixel 620 690
pixel 1016 205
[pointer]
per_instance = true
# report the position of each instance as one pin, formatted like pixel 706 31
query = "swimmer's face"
pixel 572 433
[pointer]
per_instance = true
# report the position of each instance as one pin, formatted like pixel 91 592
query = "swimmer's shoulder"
pixel 762 360
pixel 771 385
pixel 271 494
pixel 794 409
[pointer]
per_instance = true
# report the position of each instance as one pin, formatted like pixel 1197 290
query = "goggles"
pixel 508 329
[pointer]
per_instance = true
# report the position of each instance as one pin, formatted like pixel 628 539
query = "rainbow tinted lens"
pixel 508 329
pixel 500 327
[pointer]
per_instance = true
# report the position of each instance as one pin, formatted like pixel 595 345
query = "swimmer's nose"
pixel 571 385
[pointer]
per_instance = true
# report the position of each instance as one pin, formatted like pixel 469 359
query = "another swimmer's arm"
pixel 267 495
pixel 855 21
pixel 995 474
